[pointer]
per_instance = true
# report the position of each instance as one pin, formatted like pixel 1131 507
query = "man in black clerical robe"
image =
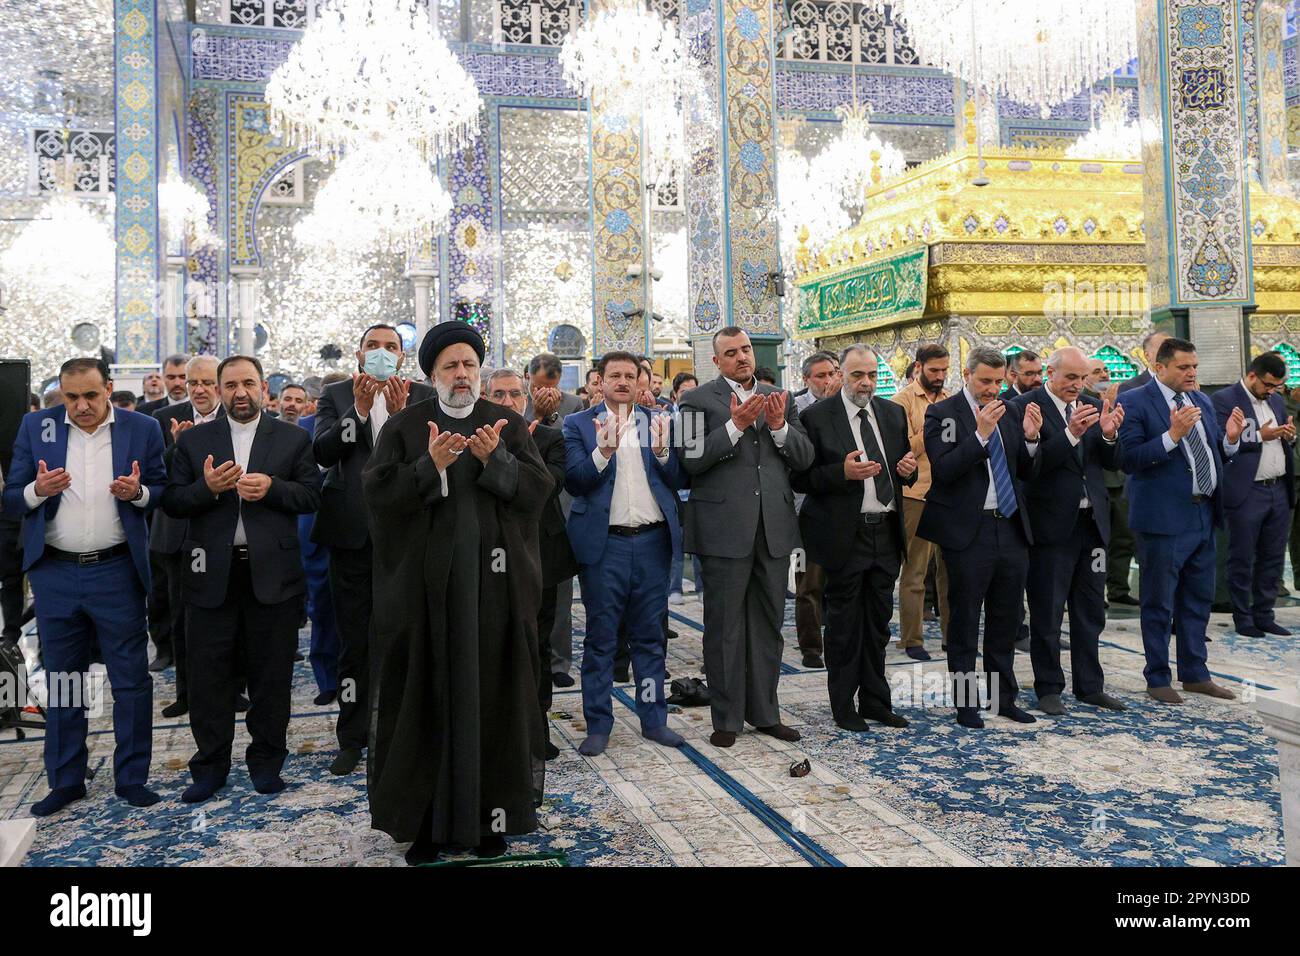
pixel 457 741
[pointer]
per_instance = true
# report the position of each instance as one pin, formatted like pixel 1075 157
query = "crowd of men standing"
pixel 431 533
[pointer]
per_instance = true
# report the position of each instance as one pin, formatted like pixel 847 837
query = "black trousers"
pixel 350 589
pixel 545 624
pixel 859 604
pixel 160 609
pixel 260 637
pixel 1071 571
pixel 1119 559
pixel 989 574
pixel 11 578
pixel 173 566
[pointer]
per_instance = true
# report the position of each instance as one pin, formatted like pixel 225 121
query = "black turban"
pixel 444 334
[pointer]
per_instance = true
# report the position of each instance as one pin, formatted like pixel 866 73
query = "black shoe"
pixel 137 794
pixel 1221 607
pixel 551 751
pixel 1273 627
pixel 886 717
pixel 241 704
pixel 267 782
pixel 854 723
pixel 917 653
pixel 1051 704
pixel 672 635
pixel 1102 699
pixel 620 675
pixel 346 761
pixel 325 697
pixel 813 661
pixel 202 790
pixel 161 663
pixel 1127 600
pixel 561 679
pixel 492 845
pixel 178 709
pixel 1012 712
pixel 57 799
pixel 970 717
pixel 1022 645
pixel 1249 630
pixel 423 851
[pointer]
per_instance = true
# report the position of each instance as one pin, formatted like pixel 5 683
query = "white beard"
pixel 862 401
pixel 452 400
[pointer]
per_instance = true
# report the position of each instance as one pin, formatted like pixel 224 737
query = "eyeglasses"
pixel 514 393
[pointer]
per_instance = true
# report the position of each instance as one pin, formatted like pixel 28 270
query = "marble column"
pixel 246 280
pixel 138 297
pixel 1196 201
pixel 422 272
pixel 171 321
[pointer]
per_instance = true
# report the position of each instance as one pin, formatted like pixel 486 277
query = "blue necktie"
pixel 1200 455
pixel 1001 476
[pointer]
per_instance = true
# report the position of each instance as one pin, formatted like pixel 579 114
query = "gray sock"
pixel 662 735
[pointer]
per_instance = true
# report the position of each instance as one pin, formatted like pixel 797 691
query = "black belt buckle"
pixel 1268 481
pixel 88 557
pixel 873 517
pixel 994 513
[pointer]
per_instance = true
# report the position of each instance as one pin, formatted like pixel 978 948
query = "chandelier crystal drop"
pixel 371 70
pixel 805 216
pixel 856 160
pixel 185 212
pixel 381 197
pixel 1036 53
pixel 626 57
pixel 1112 135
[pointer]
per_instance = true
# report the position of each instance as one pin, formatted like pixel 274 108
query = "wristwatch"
pixel 139 493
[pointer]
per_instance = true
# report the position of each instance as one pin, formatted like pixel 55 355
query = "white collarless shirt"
pixel 744 394
pixel 87 519
pixel 379 414
pixel 1272 454
pixel 241 437
pixel 633 503
pixel 870 501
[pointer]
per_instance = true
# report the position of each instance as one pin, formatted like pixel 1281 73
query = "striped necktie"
pixel 1200 455
pixel 1001 476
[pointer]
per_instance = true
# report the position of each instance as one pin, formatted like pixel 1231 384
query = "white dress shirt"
pixel 633 503
pixel 778 435
pixel 451 413
pixel 870 502
pixel 87 519
pixel 241 436
pixel 201 419
pixel 175 401
pixel 1272 455
pixel 1229 449
pixel 379 412
pixel 991 496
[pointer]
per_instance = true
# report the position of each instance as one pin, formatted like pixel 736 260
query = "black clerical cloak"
pixel 456 733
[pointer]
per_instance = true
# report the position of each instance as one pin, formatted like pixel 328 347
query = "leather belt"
pixel 874 517
pixel 1267 481
pixel 88 557
pixel 628 531
pixel 239 552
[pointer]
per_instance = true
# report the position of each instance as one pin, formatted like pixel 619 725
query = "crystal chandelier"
pixel 371 70
pixel 1112 135
pixel 856 160
pixel 1036 53
pixel 382 196
pixel 185 213
pixel 628 57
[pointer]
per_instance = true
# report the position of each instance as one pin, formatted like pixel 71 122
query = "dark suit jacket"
pixel 167 534
pixel 43 436
pixel 1137 381
pixel 342 444
pixel 1063 476
pixel 151 408
pixel 959 474
pixel 833 504
pixel 558 562
pixel 1160 482
pixel 280 450
pixel 1240 469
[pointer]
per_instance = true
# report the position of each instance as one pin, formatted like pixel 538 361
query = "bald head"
pixel 1067 373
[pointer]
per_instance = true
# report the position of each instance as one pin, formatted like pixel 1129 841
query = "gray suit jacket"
pixel 732 484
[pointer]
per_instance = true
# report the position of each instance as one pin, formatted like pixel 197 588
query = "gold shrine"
pixel 1049 253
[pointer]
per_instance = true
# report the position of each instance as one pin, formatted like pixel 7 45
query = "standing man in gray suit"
pixel 742 440
pixel 548 405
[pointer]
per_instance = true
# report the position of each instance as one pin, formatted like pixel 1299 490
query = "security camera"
pixel 656 273
pixel 634 271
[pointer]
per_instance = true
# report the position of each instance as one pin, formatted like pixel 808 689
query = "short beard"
pixel 858 399
pixel 934 388
pixel 447 397
pixel 255 410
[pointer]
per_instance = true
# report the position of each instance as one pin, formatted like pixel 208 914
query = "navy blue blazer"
pixel 1160 482
pixel 593 490
pixel 1241 467
pixel 43 436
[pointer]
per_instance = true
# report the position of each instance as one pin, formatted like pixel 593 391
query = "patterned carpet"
pixel 1153 785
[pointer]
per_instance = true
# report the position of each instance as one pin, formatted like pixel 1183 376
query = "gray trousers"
pixel 744 605
pixel 562 632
